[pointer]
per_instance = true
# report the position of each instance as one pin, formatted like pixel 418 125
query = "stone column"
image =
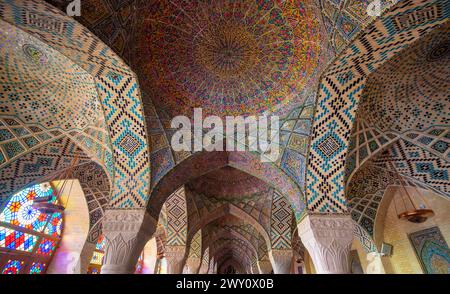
pixel 374 263
pixel 158 263
pixel 126 233
pixel 328 239
pixel 67 258
pixel 193 265
pixel 211 266
pixel 175 258
pixel 203 268
pixel 265 266
pixel 86 256
pixel 215 268
pixel 281 260
pixel 255 268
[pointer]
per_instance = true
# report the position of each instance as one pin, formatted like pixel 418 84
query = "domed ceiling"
pixel 41 86
pixel 228 57
pixel 410 91
pixel 43 97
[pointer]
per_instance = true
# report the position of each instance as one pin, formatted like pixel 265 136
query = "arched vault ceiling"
pixel 111 20
pixel 228 182
pixel 343 85
pixel 257 205
pixel 230 225
pixel 45 96
pixel 42 86
pixel 205 162
pixel 39 165
pixel 235 246
pixel 116 87
pixel 229 57
pixel 416 167
pixel 410 91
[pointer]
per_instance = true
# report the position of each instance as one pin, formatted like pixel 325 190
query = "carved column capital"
pixel 265 266
pixel 193 265
pixel 122 221
pixel 175 258
pixel 126 232
pixel 281 260
pixel 328 239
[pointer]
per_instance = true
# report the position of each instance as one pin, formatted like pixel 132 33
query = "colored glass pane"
pixel 97 258
pixel 13 267
pixel 140 264
pixel 100 243
pixel 54 226
pixel 37 268
pixel 19 210
pixel 12 239
pixel 46 247
pixel 21 216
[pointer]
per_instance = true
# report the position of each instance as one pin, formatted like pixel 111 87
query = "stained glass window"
pixel 24 228
pixel 100 244
pixel 46 247
pixel 96 262
pixel 17 240
pixel 54 226
pixel 13 267
pixel 37 268
pixel 20 212
pixel 97 258
pixel 140 264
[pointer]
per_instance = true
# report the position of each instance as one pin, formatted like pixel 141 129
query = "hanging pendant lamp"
pixel 412 212
pixel 45 205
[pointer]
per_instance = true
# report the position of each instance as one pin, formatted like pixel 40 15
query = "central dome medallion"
pixel 228 52
pixel 228 57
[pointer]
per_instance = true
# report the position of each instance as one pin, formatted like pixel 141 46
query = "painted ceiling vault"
pixel 410 91
pixel 51 119
pixel 357 97
pixel 45 96
pixel 229 57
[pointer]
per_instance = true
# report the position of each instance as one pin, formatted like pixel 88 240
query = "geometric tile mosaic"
pixel 345 19
pixel 281 222
pixel 435 140
pixel 414 162
pixel 96 187
pixel 114 83
pixel 365 190
pixel 365 142
pixel 176 218
pixel 38 165
pixel 410 91
pixel 256 205
pixel 196 245
pixel 432 250
pixel 112 22
pixel 342 86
